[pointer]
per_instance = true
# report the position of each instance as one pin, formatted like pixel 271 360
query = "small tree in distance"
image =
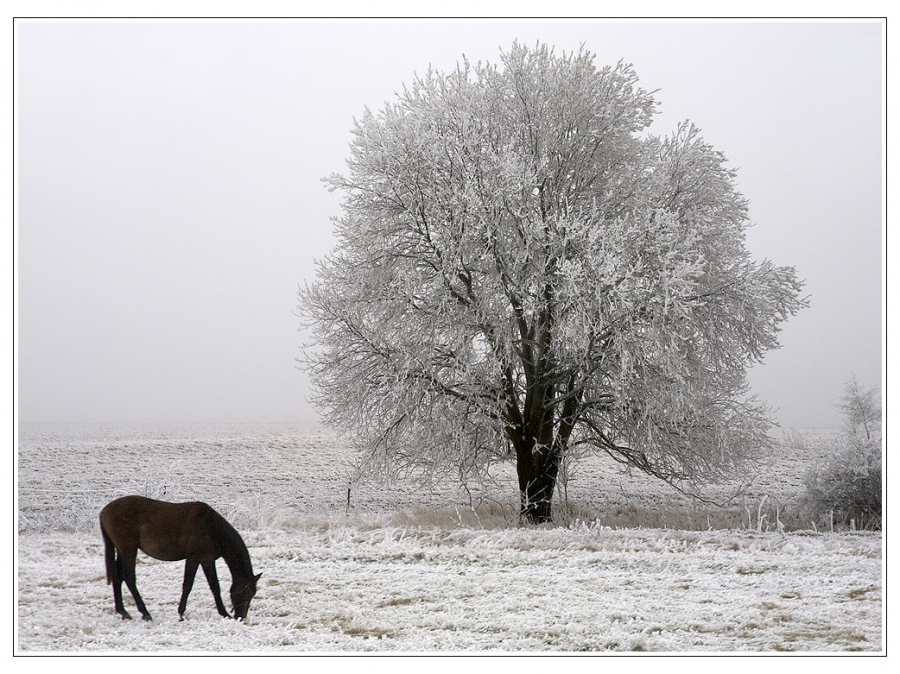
pixel 848 485
pixel 861 407
pixel 521 272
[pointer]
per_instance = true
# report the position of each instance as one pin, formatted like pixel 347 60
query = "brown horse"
pixel 171 532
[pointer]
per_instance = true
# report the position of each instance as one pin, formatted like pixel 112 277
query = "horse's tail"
pixel 111 573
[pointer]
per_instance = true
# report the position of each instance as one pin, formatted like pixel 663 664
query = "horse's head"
pixel 242 591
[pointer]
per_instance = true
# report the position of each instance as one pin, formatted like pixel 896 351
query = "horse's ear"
pixel 258 576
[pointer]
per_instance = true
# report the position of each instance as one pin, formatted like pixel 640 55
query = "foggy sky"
pixel 170 201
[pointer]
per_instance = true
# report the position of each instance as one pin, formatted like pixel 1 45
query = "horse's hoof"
pixel 125 615
pixel 147 616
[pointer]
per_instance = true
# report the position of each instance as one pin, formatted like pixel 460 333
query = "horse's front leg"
pixel 128 564
pixel 190 570
pixel 209 568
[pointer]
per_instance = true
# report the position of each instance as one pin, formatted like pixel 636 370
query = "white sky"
pixel 170 202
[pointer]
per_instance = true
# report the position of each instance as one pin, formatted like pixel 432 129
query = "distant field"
pixel 630 566
pixel 264 474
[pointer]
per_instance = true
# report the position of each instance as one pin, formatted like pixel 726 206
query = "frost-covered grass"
pixel 420 571
pixel 352 588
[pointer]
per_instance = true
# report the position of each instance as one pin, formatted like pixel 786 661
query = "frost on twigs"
pixel 847 487
pixel 522 273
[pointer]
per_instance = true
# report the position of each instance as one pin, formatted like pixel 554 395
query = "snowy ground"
pixel 353 589
pixel 414 571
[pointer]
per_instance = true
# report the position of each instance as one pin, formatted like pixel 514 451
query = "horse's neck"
pixel 235 553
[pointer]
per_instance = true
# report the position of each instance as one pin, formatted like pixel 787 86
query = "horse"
pixel 171 532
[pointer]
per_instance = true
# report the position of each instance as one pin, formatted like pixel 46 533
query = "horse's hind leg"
pixel 128 564
pixel 114 571
pixel 117 590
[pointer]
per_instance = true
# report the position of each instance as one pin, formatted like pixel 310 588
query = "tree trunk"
pixel 537 472
pixel 538 448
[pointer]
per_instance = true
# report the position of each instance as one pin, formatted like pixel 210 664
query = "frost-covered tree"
pixel 847 485
pixel 521 272
pixel 861 407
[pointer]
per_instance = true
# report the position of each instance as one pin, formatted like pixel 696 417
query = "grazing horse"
pixel 171 532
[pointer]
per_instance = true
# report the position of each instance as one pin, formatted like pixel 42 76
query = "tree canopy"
pixel 522 271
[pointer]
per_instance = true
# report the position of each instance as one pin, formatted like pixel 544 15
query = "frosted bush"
pixel 848 486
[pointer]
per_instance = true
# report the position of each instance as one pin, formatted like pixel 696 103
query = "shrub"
pixel 849 484
pixel 847 487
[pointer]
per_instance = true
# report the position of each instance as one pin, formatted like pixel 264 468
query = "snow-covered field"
pixel 412 570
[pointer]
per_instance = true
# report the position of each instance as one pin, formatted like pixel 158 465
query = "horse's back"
pixel 141 508
pixel 164 530
pixel 127 505
pixel 134 511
